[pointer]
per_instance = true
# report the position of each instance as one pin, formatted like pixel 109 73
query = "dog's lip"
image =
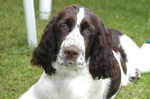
pixel 70 64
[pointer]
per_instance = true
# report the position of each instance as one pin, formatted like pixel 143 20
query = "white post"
pixel 30 22
pixel 45 9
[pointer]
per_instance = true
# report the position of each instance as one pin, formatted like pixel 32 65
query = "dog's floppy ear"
pixel 45 53
pixel 102 61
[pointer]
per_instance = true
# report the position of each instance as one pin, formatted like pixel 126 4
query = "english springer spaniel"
pixel 84 60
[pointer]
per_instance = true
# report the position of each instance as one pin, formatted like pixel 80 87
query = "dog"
pixel 82 59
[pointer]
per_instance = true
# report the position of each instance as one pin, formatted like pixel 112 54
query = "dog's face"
pixel 75 34
pixel 74 37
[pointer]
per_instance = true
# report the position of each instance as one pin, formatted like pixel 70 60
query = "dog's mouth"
pixel 68 63
pixel 63 62
pixel 71 64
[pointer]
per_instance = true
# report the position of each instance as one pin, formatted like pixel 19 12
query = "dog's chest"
pixel 81 87
pixel 71 88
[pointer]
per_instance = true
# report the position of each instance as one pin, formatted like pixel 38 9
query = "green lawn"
pixel 16 73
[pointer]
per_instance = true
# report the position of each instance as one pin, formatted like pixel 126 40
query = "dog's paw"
pixel 135 75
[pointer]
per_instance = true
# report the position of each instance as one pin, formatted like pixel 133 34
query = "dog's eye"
pixel 64 27
pixel 87 30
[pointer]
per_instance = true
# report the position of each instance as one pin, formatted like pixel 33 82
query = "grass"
pixel 17 75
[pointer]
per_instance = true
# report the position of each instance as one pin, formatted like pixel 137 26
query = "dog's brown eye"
pixel 64 27
pixel 87 30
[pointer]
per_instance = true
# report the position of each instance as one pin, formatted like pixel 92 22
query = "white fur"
pixel 80 16
pixel 145 47
pixel 75 84
pixel 124 78
pixel 136 57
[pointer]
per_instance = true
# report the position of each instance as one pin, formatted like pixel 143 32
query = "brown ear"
pixel 102 61
pixel 45 53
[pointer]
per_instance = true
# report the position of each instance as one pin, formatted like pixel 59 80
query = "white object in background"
pixel 30 22
pixel 45 9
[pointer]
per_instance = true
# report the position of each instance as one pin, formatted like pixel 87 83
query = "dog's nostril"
pixel 75 54
pixel 67 53
pixel 71 52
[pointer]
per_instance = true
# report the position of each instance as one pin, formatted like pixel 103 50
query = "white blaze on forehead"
pixel 80 16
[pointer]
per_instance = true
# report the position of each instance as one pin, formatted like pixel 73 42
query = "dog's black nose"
pixel 71 52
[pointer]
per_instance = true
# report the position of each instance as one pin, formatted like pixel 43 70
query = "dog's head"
pixel 74 37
